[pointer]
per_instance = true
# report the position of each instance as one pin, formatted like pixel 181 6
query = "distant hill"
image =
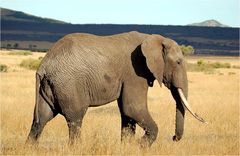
pixel 10 15
pixel 23 31
pixel 209 23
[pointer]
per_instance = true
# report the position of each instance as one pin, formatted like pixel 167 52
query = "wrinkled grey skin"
pixel 84 70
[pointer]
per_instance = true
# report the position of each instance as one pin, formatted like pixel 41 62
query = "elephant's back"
pixel 80 52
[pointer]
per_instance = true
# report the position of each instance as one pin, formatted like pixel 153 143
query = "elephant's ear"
pixel 152 49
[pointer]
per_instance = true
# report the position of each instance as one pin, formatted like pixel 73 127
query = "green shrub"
pixel 200 62
pixel 220 65
pixel 3 68
pixel 187 50
pixel 206 67
pixel 200 66
pixel 25 53
pixel 30 63
pixel 40 58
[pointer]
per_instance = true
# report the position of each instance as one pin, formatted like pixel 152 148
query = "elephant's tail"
pixel 38 79
pixel 43 90
pixel 46 92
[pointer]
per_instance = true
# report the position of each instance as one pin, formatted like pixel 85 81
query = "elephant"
pixel 84 70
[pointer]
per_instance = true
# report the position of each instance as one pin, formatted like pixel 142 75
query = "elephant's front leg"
pixel 134 100
pixel 145 121
pixel 128 124
pixel 128 127
pixel 141 116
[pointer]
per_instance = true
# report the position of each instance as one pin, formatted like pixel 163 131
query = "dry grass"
pixel 214 96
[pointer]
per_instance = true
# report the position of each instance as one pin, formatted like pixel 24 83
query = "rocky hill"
pixel 209 23
pixel 23 31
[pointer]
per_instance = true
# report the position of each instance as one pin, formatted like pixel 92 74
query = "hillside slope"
pixel 24 31
pixel 209 23
pixel 11 15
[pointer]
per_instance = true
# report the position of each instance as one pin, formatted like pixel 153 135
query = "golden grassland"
pixel 214 96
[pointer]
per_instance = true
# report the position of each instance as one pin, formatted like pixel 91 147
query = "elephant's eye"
pixel 178 62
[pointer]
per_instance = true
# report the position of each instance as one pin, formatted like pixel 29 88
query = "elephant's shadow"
pixel 140 65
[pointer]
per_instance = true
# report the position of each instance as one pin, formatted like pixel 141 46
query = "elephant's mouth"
pixel 186 104
pixel 167 81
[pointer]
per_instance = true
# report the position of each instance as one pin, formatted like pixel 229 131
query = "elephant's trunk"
pixel 180 113
pixel 189 108
pixel 180 97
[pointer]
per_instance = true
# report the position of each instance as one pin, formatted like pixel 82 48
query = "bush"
pixel 3 68
pixel 25 53
pixel 30 63
pixel 187 50
pixel 200 62
pixel 40 58
pixel 220 65
pixel 202 66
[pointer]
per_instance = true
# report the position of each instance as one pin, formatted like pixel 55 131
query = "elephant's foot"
pixel 145 143
pixel 31 140
pixel 74 132
pixel 176 138
pixel 34 133
pixel 148 139
pixel 128 133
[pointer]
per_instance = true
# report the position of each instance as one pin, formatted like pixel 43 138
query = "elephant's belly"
pixel 103 92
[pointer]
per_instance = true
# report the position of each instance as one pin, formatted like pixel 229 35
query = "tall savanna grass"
pixel 214 96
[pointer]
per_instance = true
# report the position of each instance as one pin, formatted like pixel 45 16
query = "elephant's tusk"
pixel 186 104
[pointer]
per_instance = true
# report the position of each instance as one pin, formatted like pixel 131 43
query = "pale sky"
pixel 164 12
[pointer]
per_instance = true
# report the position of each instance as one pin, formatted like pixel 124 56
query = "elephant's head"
pixel 165 60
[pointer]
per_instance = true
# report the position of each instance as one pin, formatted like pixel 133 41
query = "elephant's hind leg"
pixel 74 125
pixel 73 103
pixel 42 114
pixel 74 110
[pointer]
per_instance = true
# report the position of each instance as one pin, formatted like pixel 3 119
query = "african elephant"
pixel 84 70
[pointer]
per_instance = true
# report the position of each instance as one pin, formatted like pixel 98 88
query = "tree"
pixel 9 46
pixel 15 46
pixel 187 50
pixel 30 46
